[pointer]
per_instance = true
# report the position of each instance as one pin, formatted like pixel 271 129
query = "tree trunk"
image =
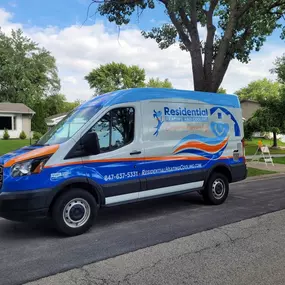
pixel 274 139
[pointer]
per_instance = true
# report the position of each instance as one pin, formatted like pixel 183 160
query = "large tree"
pixel 157 83
pixel 270 117
pixel 116 76
pixel 259 90
pixel 234 29
pixel 27 72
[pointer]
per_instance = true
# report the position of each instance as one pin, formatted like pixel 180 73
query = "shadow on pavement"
pixel 43 228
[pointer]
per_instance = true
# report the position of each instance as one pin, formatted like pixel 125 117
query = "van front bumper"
pixel 25 205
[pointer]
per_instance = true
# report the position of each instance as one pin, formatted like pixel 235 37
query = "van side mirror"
pixel 90 143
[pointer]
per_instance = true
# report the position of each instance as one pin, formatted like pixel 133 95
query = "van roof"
pixel 142 94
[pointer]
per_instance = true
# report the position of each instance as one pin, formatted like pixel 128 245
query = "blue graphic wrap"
pixel 158 117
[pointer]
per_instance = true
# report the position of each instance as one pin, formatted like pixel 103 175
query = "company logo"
pixel 220 127
pixel 185 115
pixel 179 115
pixel 158 117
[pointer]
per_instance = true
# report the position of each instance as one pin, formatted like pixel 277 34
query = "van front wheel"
pixel 216 190
pixel 74 212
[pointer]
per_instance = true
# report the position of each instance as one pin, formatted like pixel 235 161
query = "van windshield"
pixel 69 126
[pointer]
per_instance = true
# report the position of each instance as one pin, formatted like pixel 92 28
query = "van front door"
pixel 115 169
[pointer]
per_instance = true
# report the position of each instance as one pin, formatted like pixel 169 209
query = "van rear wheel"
pixel 74 211
pixel 216 190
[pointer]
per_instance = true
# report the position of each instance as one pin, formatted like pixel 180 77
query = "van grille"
pixel 1 176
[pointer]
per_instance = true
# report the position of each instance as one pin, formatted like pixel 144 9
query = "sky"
pixel 80 43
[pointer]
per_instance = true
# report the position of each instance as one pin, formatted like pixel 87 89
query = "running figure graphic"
pixel 158 116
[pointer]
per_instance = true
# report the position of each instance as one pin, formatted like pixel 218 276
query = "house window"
pixel 15 123
pixel 5 123
pixel 219 115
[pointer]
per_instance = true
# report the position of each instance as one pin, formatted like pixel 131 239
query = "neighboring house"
pixel 249 107
pixel 54 120
pixel 15 117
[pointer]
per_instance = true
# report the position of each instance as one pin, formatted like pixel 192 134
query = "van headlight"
pixel 28 167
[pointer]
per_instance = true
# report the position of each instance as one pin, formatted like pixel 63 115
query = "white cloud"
pixel 79 49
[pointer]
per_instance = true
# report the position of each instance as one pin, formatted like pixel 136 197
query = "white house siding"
pixel 27 125
pixel 14 134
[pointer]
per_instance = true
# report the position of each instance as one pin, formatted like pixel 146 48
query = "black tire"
pixel 216 190
pixel 79 205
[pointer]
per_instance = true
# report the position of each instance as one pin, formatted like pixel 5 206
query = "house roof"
pixel 53 120
pixel 18 108
pixel 55 116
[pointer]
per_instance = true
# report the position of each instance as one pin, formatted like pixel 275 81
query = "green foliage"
pixel 38 121
pixel 6 135
pixel 37 136
pixel 259 90
pixel 57 104
pixel 222 90
pixel 248 130
pixel 115 76
pixel 279 68
pixel 28 73
pixel 271 117
pixel 157 83
pixel 234 30
pixel 23 135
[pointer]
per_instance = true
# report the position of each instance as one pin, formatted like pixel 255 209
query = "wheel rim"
pixel 76 213
pixel 218 189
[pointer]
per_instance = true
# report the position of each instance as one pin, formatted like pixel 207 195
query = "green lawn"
pixel 251 146
pixel 10 145
pixel 257 172
pixel 280 160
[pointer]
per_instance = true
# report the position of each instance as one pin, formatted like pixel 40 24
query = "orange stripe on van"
pixel 203 146
pixel 152 158
pixel 44 151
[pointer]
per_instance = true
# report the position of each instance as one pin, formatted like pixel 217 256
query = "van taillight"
pixel 243 148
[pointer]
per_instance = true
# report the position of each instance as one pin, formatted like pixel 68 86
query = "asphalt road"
pixel 32 251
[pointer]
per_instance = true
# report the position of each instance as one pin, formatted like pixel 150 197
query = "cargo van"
pixel 122 147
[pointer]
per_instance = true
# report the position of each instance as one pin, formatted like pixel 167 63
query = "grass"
pixel 251 172
pixel 280 160
pixel 251 146
pixel 10 145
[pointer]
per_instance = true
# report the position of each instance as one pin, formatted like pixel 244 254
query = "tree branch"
pixel 245 8
pixel 211 30
pixel 184 38
pixel 227 37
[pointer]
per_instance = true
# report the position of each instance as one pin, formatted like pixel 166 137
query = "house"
pixel 54 120
pixel 249 107
pixel 15 117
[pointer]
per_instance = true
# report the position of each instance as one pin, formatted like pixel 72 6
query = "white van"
pixel 123 147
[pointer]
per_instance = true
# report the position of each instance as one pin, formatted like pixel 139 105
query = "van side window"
pixel 102 128
pixel 115 129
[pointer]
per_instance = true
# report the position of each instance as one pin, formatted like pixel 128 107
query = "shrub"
pixel 37 136
pixel 23 135
pixel 6 135
pixel 247 132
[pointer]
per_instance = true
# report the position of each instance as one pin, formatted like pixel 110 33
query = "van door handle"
pixel 135 152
